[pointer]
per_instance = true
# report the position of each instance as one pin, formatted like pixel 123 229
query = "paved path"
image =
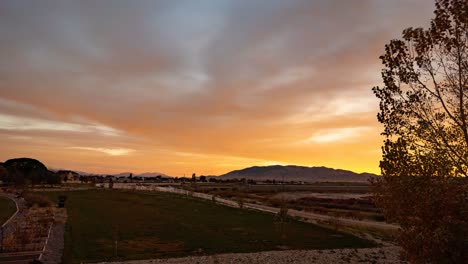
pixel 53 249
pixel 8 227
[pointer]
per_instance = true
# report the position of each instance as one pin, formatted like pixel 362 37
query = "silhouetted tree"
pixel 250 181
pixel 194 177
pixel 212 180
pixel 84 179
pixel 3 173
pixel 130 177
pixel 24 170
pixel 424 107
pixel 52 178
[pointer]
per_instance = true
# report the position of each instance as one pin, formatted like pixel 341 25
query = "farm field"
pixel 322 187
pixel 167 225
pixel 7 209
pixel 346 200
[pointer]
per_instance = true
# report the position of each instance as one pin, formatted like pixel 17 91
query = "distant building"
pixel 67 176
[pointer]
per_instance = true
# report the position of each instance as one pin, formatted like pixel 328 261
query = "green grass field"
pixel 166 225
pixel 7 209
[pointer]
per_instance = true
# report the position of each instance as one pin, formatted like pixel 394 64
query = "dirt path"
pixel 384 255
pixel 324 218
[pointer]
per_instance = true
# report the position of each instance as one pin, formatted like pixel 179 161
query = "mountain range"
pixel 276 172
pixel 263 173
pixel 298 173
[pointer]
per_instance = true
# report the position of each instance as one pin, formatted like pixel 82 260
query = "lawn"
pixel 167 225
pixel 7 209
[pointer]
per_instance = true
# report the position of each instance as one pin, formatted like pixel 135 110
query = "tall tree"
pixel 25 170
pixel 424 109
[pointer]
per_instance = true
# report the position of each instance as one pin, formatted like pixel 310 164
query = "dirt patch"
pixel 298 195
pixel 142 245
pixel 154 244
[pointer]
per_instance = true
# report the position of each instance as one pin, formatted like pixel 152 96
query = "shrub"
pixel 37 199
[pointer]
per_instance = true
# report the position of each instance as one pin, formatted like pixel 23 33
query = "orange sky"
pixel 195 86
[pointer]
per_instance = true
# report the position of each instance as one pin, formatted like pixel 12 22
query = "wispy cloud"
pixel 109 151
pixel 287 77
pixel 18 123
pixel 337 135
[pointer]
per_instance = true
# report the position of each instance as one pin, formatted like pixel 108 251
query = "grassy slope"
pixel 7 208
pixel 163 225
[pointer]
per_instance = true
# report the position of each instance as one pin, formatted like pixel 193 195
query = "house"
pixel 67 176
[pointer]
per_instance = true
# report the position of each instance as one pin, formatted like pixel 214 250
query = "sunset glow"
pixel 196 86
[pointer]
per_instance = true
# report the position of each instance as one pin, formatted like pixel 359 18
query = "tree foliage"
pixel 25 170
pixel 424 108
pixel 3 173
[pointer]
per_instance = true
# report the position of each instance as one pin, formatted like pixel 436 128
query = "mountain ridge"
pixel 298 173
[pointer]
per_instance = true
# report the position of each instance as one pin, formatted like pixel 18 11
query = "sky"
pixel 196 86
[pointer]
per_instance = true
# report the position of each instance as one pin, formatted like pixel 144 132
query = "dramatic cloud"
pixel 130 85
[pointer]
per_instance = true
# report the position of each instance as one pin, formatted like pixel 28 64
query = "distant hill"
pixel 298 173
